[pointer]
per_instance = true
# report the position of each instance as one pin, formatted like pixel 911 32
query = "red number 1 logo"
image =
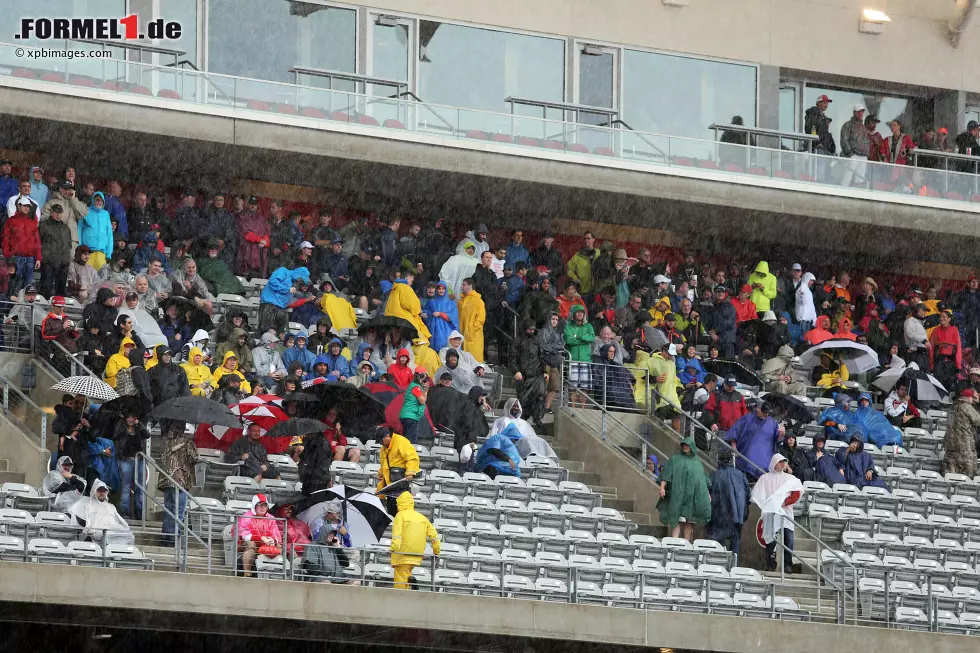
pixel 130 22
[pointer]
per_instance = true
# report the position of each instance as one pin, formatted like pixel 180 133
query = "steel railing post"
pixel 44 430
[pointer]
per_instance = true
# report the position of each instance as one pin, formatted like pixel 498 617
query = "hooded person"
pixel 819 333
pixel 459 267
pixel 775 493
pixel 463 378
pixel 277 295
pixel 320 371
pixel 99 519
pixel 229 365
pixel 365 374
pixel 729 503
pixel 215 271
pixel 320 337
pixel 237 343
pixel 684 492
pixel 961 432
pixel 299 353
pixel 796 458
pixel 456 341
pixel 65 487
pixel 755 436
pixel 442 316
pixel 424 355
pixel 95 232
pixel 167 379
pixel 118 361
pixel 824 465
pixel 410 531
pixel 520 432
pixel 527 366
pixel 200 339
pixel 839 419
pixel 763 287
pixel 257 530
pixel 612 383
pixel 336 307
pixel 236 318
pixel 102 311
pixel 146 252
pixel 403 370
pixel 198 374
pixel 499 456
pixel 858 465
pixel 472 318
pixel 779 375
pixel 268 363
pixel 337 364
pixel 398 459
pixel 404 303
pixel 875 425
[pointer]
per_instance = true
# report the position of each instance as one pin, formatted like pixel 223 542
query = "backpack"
pixel 124 382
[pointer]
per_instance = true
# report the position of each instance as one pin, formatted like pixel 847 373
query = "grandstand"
pixel 546 120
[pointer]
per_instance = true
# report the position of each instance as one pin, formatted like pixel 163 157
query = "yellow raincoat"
pixel 762 297
pixel 638 369
pixel 426 357
pixel 118 361
pixel 221 371
pixel 834 379
pixel 339 310
pixel 658 365
pixel 409 533
pixel 151 362
pixel 404 303
pixel 472 316
pixel 196 374
pixel 400 453
pixel 660 311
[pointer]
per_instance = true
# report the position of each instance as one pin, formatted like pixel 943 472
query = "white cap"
pixel 24 200
pixel 769 316
pixel 860 107
pixel 672 349
pixel 797 266
pixel 661 279
pixel 305 244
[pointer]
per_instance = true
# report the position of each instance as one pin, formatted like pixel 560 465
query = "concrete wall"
pixel 816 35
pixel 22 453
pixel 468 623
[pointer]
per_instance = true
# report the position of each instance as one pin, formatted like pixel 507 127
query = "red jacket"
pixel 903 150
pixel 946 342
pixel 21 238
pixel 725 408
pixel 744 311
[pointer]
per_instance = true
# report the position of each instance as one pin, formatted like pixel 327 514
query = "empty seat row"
pixel 89 82
pixel 73 553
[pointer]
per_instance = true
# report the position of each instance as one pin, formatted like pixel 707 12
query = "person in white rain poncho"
pixel 98 517
pixel 530 442
pixel 459 266
pixel 65 487
pixel 200 340
pixel 775 493
pixel 466 360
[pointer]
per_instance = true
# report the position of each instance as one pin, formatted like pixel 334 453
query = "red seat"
pixel 758 170
pixel 578 147
pixel 287 109
pixel 25 73
pixel 975 198
pixel 52 77
pixel 882 187
pixel 683 161
pixel 805 177
pixel 476 133
pixel 782 174
pixel 312 112
pixel 932 192
pixel 501 138
pixel 112 86
pixel 169 94
pixel 341 116
pixel 527 140
pixel 81 80
pixel 731 167
pixel 368 120
pixel 554 145
pixel 141 90
pixel 953 195
pixel 391 123
pixel 258 105
pixel 709 165
pixel 604 151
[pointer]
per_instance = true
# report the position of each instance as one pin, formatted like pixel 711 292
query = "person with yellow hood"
pixel 660 311
pixel 198 374
pixel 337 308
pixel 409 533
pixel 472 317
pixel 763 288
pixel 404 303
pixel 118 361
pixel 398 459
pixel 229 365
pixel 638 368
pixel 425 356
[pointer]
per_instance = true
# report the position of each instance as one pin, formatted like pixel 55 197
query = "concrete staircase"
pixel 7 476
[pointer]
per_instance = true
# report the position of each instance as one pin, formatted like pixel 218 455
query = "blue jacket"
pixel 502 442
pixel 105 466
pixel 756 440
pixel 276 292
pixel 95 230
pixel 146 252
pixel 39 190
pixel 338 363
pixel 878 429
pixel 514 287
pixel 856 464
pixel 686 377
pixel 118 211
pixel 297 353
pixel 438 327
pixel 723 322
pixel 838 415
pixel 331 374
pixel 517 254
pixel 825 467
pixel 9 187
pixel 729 503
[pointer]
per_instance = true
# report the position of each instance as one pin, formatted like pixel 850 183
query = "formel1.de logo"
pixel 103 29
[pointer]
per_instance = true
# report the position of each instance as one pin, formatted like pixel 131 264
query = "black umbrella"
pixel 294 427
pixel 299 396
pixel 386 322
pixel 196 410
pixel 364 513
pixel 350 401
pixel 127 405
pixel 723 368
pixel 789 407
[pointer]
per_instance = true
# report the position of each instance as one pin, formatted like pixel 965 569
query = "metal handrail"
pixel 8 389
pixel 640 136
pixel 77 367
pixel 189 63
pixel 425 106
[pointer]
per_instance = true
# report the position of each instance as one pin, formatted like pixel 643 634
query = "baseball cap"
pixel 252 199
pixel 57 300
pixel 672 349
pixel 942 130
pixel 66 184
pixel 797 266
pixel 338 240
pixel 661 279
pixel 731 380
pixel 745 288
pixel 720 288
pixel 30 290
pixel 670 316
pixel 974 370
pixel 23 201
pixel 824 98
pixel 860 107
pixel 57 208
pixel 973 124
pixel 305 244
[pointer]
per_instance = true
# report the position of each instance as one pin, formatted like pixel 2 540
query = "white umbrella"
pixel 88 386
pixel 857 357
pixel 922 385
pixel 146 328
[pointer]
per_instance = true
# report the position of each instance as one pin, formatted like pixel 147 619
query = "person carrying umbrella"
pixel 961 433
pixel 409 533
pixel 398 458
pixel 251 455
pixel 899 409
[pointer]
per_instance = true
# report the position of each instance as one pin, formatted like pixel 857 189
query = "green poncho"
pixel 219 278
pixel 687 489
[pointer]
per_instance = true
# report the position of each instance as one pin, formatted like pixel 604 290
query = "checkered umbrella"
pixel 88 386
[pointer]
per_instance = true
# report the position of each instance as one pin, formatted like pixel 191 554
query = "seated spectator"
pixel 338 440
pixel 214 270
pixel 899 408
pixel 229 390
pixel 157 277
pixel 858 465
pixel 118 361
pixel 520 432
pixel 297 532
pixel 258 533
pixel 337 308
pixel 337 364
pixel 238 343
pixel 198 374
pixel 249 452
pixel 201 340
pixel 824 465
pixel 319 338
pixel 173 325
pixel 98 518
pixel 268 364
pixel 148 251
pixel 57 327
pixel 796 460
pixel 229 366
pixel 462 378
pixel 876 426
pixel 320 372
pixel 65 487
pixel 365 374
pixel 187 283
pixel 779 375
pixel 839 419
pixel 612 383
pixel 830 374
pixel 498 455
pixel 296 351
pixel 456 341
pixel 820 332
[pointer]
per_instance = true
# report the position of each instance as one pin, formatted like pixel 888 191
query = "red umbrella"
pixel 252 410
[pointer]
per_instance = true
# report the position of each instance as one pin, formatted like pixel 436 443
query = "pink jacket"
pixel 252 528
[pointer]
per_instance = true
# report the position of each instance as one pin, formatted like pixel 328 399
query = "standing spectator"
pixel 167 379
pixel 897 148
pixel 413 408
pixel 546 256
pixel 685 498
pixel 729 503
pixel 966 143
pixel 516 251
pixel 472 317
pixel 8 184
pixel 603 270
pixel 529 372
pixel 187 225
pixel 460 267
pixel 945 350
pixel 277 295
pixel 55 238
pixel 961 433
pixel 323 237
pixel 806 312
pixel 663 378
pixel 404 303
pixel 74 210
pixel 551 340
pixel 579 267
pixel 25 193
pixel 388 238
pixel 220 226
pixel 745 308
pixel 254 238
pixel 816 123
pixel 917 341
pixel 39 190
pixel 855 144
pixel 398 459
pixel 968 303
pixel 335 264
pixel 114 206
pixel 724 407
pixel 95 232
pixel 763 288
pixel 477 236
pixel 140 217
pixel 723 323
pixel 441 316
pixel 899 409
pixel 409 533
pixel 755 436
pixel 178 459
pixel 58 328
pixel 579 336
pixel 130 437
pixel 775 494
pixel 22 245
pixel 877 145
